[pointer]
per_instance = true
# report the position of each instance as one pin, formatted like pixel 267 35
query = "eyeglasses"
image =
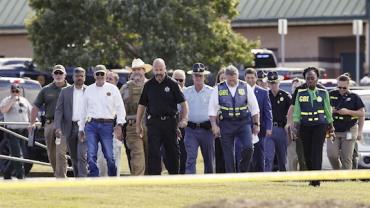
pixel 100 74
pixel 179 80
pixel 58 73
pixel 342 88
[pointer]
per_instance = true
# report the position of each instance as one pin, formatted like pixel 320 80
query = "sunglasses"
pixel 179 80
pixel 15 91
pixel 58 73
pixel 342 88
pixel 100 74
pixel 20 110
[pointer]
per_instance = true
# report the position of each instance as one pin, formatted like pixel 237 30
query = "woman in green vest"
pixel 313 119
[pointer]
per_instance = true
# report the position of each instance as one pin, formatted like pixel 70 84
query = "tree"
pixel 88 32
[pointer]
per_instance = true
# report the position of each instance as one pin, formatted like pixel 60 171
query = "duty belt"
pixel 162 118
pixel 205 125
pixel 278 124
pixel 102 120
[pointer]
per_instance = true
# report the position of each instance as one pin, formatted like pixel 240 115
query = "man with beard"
pixel 48 98
pixel 131 92
pixel 67 114
pixel 312 119
pixel 160 97
pixel 101 104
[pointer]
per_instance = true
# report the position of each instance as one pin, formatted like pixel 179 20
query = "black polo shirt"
pixel 280 105
pixel 161 99
pixel 350 101
pixel 303 86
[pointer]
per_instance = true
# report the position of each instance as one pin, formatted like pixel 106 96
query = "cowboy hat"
pixel 199 68
pixel 138 63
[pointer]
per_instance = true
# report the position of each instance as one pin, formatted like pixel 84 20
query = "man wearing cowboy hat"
pixel 198 132
pixel 101 104
pixel 277 142
pixel 131 92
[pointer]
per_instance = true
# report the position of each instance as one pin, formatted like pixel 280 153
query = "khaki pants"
pixel 138 150
pixel 56 153
pixel 340 151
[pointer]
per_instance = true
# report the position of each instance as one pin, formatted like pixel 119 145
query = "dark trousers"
pixel 258 160
pixel 16 147
pixel 78 152
pixel 276 146
pixel 313 138
pixel 162 132
pixel 183 154
pixel 219 156
pixel 231 132
pixel 300 155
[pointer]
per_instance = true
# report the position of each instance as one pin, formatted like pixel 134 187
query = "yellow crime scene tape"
pixel 188 179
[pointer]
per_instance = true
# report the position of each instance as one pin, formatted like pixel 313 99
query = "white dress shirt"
pixel 103 102
pixel 252 104
pixel 77 103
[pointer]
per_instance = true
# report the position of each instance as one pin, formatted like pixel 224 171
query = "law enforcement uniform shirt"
pixel 280 105
pixel 161 99
pixel 48 97
pixel 303 86
pixel 350 101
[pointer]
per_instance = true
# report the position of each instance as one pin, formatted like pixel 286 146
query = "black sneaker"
pixel 314 183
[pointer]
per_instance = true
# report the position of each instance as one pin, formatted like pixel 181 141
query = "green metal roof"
pixel 252 12
pixel 260 12
pixel 13 13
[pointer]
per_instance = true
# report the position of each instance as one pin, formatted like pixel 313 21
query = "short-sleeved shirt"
pixel 19 112
pixel 198 103
pixel 161 99
pixel 280 105
pixel 303 86
pixel 350 101
pixel 48 97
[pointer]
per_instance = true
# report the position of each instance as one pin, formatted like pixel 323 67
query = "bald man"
pixel 159 98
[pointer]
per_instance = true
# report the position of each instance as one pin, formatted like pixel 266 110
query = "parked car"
pixel 14 61
pixel 22 67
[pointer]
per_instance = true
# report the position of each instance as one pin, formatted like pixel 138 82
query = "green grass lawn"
pixel 118 193
pixel 37 169
pixel 177 195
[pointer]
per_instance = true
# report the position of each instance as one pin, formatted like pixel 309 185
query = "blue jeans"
pixel 231 132
pixel 195 138
pixel 103 133
pixel 277 143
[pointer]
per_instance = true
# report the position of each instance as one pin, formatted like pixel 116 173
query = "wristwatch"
pixel 256 124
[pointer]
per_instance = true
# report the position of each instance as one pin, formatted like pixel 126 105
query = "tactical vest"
pixel 312 114
pixel 131 97
pixel 342 122
pixel 233 107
